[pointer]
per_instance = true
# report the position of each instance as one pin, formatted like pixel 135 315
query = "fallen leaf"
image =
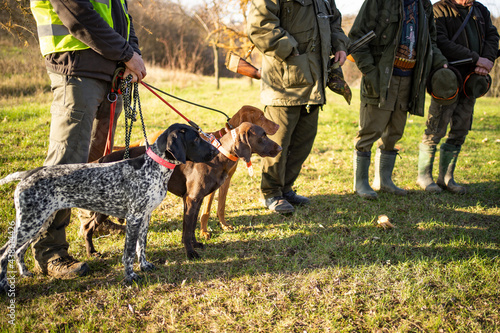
pixel 383 221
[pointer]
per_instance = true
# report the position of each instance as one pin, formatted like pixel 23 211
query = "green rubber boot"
pixel 425 162
pixel 361 163
pixel 384 165
pixel 447 162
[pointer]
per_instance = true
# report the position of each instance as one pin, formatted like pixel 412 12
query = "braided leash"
pixel 131 95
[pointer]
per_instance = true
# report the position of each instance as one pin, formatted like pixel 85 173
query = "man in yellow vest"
pixel 83 42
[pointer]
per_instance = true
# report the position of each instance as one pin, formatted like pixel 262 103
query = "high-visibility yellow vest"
pixel 55 37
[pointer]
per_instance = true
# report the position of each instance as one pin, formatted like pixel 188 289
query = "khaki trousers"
pixel 298 127
pixel 78 133
pixel 385 124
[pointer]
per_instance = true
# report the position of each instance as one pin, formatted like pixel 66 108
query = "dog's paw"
pixel 205 235
pixel 193 255
pixel 198 245
pixel 147 266
pixel 4 286
pixel 226 227
pixel 95 254
pixel 27 274
pixel 131 278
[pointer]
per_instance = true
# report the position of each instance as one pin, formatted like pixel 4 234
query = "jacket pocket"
pixel 388 25
pixel 370 85
pixel 296 72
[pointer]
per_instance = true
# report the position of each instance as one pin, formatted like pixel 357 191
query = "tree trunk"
pixel 216 66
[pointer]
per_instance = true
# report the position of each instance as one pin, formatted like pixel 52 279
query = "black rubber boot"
pixel 447 162
pixel 384 165
pixel 361 165
pixel 425 163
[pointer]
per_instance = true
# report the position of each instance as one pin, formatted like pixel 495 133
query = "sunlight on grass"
pixel 327 267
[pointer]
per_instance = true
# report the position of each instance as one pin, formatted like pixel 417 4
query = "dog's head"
pixel 255 116
pixel 252 138
pixel 183 143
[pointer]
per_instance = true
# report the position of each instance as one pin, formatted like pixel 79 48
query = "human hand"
pixel 135 66
pixel 481 71
pixel 484 63
pixel 340 57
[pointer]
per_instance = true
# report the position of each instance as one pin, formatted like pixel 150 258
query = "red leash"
pixel 209 137
pixel 113 97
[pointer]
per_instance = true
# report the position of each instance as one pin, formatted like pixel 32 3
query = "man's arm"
pixel 265 32
pixel 88 26
pixel 340 42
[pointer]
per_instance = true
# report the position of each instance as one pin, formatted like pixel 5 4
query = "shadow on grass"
pixel 335 230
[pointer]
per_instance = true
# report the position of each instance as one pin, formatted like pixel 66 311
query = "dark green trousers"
pixel 78 133
pixel 457 115
pixel 298 128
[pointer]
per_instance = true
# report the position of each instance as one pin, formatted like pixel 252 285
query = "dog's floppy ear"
pixel 242 146
pixel 176 145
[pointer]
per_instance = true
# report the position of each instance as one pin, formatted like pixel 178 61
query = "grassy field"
pixel 326 268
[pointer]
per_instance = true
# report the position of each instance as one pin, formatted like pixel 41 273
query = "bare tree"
pixel 16 20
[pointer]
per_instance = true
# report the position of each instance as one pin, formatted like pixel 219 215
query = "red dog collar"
pixel 159 160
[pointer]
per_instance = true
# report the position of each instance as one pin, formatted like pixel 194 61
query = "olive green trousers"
pixel 385 124
pixel 296 134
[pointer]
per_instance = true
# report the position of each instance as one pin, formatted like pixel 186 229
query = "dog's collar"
pixel 222 150
pixel 159 160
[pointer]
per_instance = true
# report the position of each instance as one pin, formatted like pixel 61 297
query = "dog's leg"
pixel 4 260
pixel 26 235
pixel 221 208
pixel 132 232
pixel 20 260
pixel 88 223
pixel 141 246
pixel 191 210
pixel 205 215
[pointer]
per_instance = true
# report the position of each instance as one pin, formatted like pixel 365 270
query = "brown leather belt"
pixel 403 63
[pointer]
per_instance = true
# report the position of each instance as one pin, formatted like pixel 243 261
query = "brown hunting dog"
pixel 195 181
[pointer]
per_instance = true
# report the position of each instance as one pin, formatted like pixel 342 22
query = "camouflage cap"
pixel 443 84
pixel 476 85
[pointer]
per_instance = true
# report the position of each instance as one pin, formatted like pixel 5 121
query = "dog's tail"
pixel 13 177
pixel 20 175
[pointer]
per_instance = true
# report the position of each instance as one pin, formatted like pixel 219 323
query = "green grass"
pixel 326 268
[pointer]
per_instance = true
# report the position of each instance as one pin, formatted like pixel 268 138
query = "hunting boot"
pixel 384 165
pixel 361 165
pixel 425 162
pixel 447 162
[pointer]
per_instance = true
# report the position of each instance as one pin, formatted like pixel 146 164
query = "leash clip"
pixel 112 97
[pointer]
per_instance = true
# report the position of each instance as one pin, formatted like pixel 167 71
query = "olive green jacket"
pixel 376 60
pixel 280 29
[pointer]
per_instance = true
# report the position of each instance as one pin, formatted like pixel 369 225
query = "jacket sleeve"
pixel 340 42
pixel 84 23
pixel 438 59
pixel 265 32
pixel 490 49
pixel 364 22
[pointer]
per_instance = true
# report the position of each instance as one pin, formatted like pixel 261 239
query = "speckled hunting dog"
pixel 129 189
